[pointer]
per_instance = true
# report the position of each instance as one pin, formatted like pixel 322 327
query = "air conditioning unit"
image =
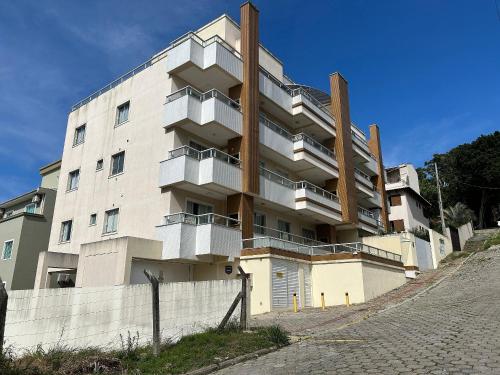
pixel 36 198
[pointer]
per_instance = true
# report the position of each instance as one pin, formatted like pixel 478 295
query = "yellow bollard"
pixel 347 303
pixel 322 301
pixel 295 309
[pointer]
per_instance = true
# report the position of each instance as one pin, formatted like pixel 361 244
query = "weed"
pixel 277 335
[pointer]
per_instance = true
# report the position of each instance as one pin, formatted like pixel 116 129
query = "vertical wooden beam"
pixel 243 204
pixel 250 98
pixel 346 188
pixel 155 293
pixel 376 149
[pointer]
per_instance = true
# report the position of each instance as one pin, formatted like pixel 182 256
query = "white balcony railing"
pixel 202 96
pixel 188 236
pixel 191 50
pixel 211 168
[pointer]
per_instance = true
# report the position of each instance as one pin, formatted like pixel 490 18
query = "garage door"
pixel 287 279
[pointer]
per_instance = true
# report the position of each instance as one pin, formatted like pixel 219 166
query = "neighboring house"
pixel 406 203
pixel 25 223
pixel 205 149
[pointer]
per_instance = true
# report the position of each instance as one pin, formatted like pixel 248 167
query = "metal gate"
pixel 287 280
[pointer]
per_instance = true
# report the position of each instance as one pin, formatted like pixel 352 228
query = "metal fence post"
pixel 3 312
pixel 156 311
pixel 243 314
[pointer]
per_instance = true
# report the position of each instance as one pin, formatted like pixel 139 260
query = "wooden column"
pixel 376 149
pixel 346 187
pixel 250 109
pixel 243 205
pixel 250 98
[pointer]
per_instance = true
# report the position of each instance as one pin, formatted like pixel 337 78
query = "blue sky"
pixel 426 71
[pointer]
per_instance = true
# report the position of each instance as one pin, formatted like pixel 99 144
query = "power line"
pixel 478 186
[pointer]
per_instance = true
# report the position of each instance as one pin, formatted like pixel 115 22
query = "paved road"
pixel 452 329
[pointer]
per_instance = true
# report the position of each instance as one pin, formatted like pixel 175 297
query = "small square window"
pixel 73 180
pixel 122 113
pixel 93 219
pixel 117 161
pixel 7 249
pixel 30 208
pixel 66 227
pixel 111 221
pixel 79 137
pixel 99 165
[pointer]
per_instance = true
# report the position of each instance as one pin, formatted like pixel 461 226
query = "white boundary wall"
pixel 81 317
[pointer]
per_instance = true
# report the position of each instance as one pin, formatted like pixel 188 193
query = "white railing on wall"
pixel 204 154
pixel 202 96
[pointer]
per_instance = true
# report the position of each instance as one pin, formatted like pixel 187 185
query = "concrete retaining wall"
pixel 81 317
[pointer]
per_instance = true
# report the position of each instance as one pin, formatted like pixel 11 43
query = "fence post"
pixel 3 312
pixel 243 314
pixel 156 311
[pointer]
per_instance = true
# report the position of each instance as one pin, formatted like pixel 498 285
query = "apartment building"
pixel 406 203
pixel 25 223
pixel 207 149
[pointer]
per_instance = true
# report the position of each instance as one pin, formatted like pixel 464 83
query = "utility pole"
pixel 443 226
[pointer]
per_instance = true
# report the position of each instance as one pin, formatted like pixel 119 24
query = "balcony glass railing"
pixel 296 185
pixel 202 96
pixel 187 218
pixel 271 232
pixel 362 174
pixel 321 249
pixel 314 143
pixel 204 43
pixel 365 212
pixel 295 92
pixel 204 154
pixel 295 137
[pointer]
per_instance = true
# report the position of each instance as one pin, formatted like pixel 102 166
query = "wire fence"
pixel 96 317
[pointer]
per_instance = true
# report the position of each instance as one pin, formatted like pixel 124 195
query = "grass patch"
pixel 189 353
pixel 492 241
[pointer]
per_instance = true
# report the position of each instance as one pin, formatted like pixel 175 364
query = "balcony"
pixel 197 237
pixel 205 63
pixel 362 153
pixel 285 102
pixel 212 169
pixel 368 221
pixel 211 115
pixel 364 184
pixel 299 152
pixel 315 248
pixel 302 196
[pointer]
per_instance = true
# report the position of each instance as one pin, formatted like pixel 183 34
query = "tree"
pixel 458 215
pixel 469 173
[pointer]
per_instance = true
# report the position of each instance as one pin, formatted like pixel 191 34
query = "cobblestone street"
pixel 453 328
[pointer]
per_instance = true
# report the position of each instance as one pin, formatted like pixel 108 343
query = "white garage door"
pixel 286 280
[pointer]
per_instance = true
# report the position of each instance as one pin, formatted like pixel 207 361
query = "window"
pixel 66 227
pixel 79 135
pixel 395 200
pixel 259 222
pixel 93 219
pixel 117 161
pixel 73 180
pixel 30 208
pixel 398 225
pixel 7 249
pixel 99 164
pixel 284 229
pixel 111 221
pixel 122 113
pixel 308 233
pixel 198 208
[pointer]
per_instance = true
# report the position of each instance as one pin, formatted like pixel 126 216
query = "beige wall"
pixel 379 279
pixel 401 243
pixel 259 269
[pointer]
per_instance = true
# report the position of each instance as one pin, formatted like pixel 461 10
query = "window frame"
pixel 11 241
pixel 61 240
pixel 97 169
pixel 31 204
pixel 68 187
pixel 118 109
pixel 75 136
pixel 111 174
pixel 92 224
pixel 105 223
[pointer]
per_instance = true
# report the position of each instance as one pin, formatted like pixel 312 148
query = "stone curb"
pixel 230 362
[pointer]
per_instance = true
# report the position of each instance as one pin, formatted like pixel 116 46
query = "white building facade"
pixel 176 168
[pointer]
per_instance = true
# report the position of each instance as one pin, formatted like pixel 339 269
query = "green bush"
pixel 492 241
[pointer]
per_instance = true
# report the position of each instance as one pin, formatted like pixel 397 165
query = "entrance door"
pixel 455 239
pixel 289 278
